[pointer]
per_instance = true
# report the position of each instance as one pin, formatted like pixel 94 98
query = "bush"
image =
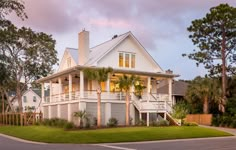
pixel 95 121
pixel 69 125
pixel 153 123
pixel 54 122
pixel 190 124
pixel 163 123
pixel 140 123
pixel 113 122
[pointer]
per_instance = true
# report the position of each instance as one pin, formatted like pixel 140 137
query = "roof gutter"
pixel 124 71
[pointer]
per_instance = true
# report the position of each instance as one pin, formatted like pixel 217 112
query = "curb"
pixel 21 140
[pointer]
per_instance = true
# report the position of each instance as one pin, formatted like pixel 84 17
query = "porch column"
pixel 148 87
pixel 81 84
pixel 170 90
pixel 148 119
pixel 108 83
pixel 60 89
pixel 49 112
pixel 140 116
pixel 42 93
pixel 107 112
pixel 70 87
pixel 69 111
pixel 50 100
pixel 58 111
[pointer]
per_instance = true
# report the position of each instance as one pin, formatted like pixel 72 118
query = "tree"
pixel 180 110
pixel 125 82
pixel 215 37
pixel 82 115
pixel 100 75
pixel 203 90
pixel 31 55
pixel 8 6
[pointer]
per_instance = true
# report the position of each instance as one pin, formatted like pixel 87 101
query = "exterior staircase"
pixel 155 104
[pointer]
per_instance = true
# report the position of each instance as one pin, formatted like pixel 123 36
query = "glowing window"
pixel 127 60
pixel 121 59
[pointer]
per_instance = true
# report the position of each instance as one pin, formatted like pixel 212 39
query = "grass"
pixel 111 135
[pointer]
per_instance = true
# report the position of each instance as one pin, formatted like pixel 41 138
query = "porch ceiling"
pixel 74 70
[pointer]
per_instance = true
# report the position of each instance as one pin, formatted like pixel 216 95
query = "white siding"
pixel 142 61
pixel 29 100
pixel 118 112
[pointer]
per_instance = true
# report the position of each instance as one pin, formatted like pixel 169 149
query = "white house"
pixel 31 101
pixel 70 90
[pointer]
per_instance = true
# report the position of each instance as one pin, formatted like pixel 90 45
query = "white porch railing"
pixel 153 102
pixel 90 95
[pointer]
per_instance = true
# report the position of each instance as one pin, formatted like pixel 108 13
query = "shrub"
pixel 163 123
pixel 88 124
pixel 113 122
pixel 55 122
pixel 140 123
pixel 69 125
pixel 95 121
pixel 190 124
pixel 215 121
pixel 153 123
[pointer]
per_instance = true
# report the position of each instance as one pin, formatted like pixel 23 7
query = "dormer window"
pixel 126 60
pixel 121 59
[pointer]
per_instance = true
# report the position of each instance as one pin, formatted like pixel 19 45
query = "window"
pixel 132 61
pixel 25 99
pixel 34 99
pixel 127 60
pixel 121 59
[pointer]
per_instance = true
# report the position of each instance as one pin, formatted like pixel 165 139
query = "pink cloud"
pixel 117 23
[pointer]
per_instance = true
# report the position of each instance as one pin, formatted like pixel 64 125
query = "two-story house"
pixel 71 91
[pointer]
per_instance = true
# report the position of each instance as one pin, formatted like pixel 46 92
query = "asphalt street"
pixel 226 143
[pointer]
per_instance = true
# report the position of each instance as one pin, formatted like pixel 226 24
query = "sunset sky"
pixel 160 25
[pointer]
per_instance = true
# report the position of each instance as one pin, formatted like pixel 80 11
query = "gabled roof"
pixel 179 88
pixel 101 50
pixel 74 54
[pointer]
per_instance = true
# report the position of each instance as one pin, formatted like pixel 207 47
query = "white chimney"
pixel 83 47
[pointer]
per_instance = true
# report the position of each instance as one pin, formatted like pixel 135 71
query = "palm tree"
pixel 125 82
pixel 99 75
pixel 203 89
pixel 81 116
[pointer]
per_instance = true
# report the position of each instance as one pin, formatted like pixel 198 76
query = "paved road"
pixel 227 143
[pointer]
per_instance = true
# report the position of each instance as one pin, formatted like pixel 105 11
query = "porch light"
pixel 76 76
pixel 66 79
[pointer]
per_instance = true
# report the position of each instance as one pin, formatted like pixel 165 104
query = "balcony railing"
pixel 90 95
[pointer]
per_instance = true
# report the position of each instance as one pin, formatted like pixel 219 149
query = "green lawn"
pixel 129 134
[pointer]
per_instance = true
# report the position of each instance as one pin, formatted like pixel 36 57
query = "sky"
pixel 159 25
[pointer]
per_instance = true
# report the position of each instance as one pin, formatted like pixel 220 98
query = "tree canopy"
pixel 215 37
pixel 8 6
pixel 211 34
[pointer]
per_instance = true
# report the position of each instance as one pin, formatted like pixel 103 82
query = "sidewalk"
pixel 229 130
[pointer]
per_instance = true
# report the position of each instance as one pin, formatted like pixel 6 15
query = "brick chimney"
pixel 83 47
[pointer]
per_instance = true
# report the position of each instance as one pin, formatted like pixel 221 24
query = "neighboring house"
pixel 31 101
pixel 179 89
pixel 70 91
